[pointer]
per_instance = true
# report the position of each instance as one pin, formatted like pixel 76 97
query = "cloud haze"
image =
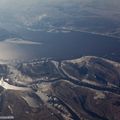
pixel 16 14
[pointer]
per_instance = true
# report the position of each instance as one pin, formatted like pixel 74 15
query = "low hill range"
pixel 87 88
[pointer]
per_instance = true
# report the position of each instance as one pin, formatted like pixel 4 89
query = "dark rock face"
pixel 83 89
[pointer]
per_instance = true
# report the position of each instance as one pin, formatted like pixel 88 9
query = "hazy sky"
pixel 31 11
pixel 21 4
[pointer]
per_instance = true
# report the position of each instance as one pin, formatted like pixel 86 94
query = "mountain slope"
pixel 82 89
